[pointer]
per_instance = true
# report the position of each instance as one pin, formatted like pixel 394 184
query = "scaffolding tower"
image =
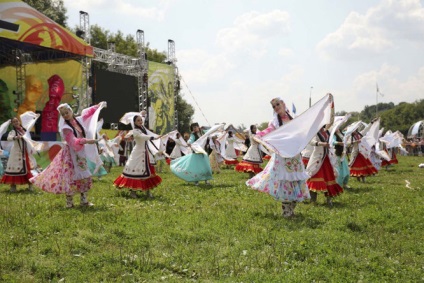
pixel 171 60
pixel 85 92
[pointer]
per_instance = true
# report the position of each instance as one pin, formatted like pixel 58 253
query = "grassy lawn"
pixel 222 232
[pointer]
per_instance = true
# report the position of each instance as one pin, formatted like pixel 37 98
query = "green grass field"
pixel 222 232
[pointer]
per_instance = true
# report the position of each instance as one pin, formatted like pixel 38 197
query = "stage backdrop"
pixel 38 90
pixel 120 92
pixel 161 96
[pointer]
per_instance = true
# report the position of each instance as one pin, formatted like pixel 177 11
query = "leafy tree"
pixel 126 45
pixel 54 9
pixel 403 116
pixel 185 113
pixel 263 126
pixel 369 112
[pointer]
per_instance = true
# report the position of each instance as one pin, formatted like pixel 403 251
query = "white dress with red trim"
pixel 138 173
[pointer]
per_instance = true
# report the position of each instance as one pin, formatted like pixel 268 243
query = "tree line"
pixel 393 117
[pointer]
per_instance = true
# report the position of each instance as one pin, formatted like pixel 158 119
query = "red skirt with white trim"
pixel 18 180
pixel 394 158
pixel 324 180
pixel 362 167
pixel 138 184
pixel 246 167
pixel 266 157
pixel 231 162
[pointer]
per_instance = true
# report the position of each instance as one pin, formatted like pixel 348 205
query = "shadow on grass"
pixel 297 222
pixel 358 190
pixel 142 197
pixel 83 209
pixel 25 191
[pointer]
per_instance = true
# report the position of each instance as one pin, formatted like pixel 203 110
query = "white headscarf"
pixel 61 120
pixel 128 118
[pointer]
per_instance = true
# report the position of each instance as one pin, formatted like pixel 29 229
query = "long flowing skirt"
pixel 247 167
pixel 213 159
pixel 343 170
pixel 96 172
pixel 283 179
pixel 57 178
pixel 394 159
pixel 362 167
pixel 19 180
pixel 324 180
pixel 231 162
pixel 139 184
pixel 192 167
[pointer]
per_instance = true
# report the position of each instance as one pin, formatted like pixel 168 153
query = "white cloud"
pixel 122 9
pixel 375 32
pixel 201 67
pixel 252 31
pixel 366 82
pixel 394 89
pixel 285 52
pixel 153 13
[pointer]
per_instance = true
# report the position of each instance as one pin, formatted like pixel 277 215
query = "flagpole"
pixel 376 101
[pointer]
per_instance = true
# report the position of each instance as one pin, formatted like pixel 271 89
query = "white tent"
pixel 416 130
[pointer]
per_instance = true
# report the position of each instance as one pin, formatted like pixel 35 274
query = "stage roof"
pixel 23 27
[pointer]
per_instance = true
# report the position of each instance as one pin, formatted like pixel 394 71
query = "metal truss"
pixel 142 79
pixel 171 52
pixel 85 26
pixel 128 65
pixel 84 99
pixel 20 76
pixel 171 60
pixel 120 63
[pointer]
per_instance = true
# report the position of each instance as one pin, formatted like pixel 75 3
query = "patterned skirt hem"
pixel 137 184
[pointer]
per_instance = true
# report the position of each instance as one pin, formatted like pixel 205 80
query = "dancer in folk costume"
pixel 390 142
pixel 342 164
pixel 21 160
pixel 375 159
pixel 252 159
pixel 69 172
pixel 1 163
pixel 321 170
pixel 195 167
pixel 215 158
pixel 284 176
pixel 105 149
pixel 157 152
pixel 181 147
pixel 338 150
pixel 230 152
pixel 360 165
pixel 138 174
pixel 3 152
pixel 385 162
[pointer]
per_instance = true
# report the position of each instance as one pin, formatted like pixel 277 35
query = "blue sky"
pixel 235 56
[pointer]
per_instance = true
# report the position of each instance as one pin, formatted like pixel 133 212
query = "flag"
pixel 293 108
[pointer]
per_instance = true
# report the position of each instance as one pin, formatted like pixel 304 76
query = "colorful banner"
pixel 21 22
pixel 45 83
pixel 161 95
